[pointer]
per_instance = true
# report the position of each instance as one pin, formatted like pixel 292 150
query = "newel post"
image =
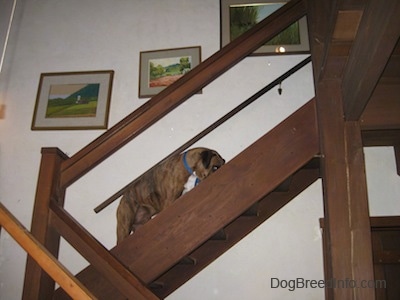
pixel 38 285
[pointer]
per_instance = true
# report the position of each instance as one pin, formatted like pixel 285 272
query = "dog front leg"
pixel 125 219
pixel 143 215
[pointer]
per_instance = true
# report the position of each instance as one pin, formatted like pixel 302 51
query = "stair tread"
pixel 239 228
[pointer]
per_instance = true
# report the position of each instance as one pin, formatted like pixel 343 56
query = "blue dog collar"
pixel 189 169
pixel 185 163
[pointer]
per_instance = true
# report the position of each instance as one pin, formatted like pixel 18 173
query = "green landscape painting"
pixel 72 100
pixel 242 18
pixel 166 71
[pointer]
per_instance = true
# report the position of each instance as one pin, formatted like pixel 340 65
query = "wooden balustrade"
pixel 97 255
pixel 43 257
pixel 59 171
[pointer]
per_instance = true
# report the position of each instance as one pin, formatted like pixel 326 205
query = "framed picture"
pixel 73 100
pixel 160 68
pixel 238 16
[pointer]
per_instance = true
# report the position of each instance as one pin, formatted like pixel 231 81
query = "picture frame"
pixel 160 68
pixel 238 16
pixel 73 100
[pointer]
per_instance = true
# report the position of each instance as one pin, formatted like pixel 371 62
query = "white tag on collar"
pixel 191 183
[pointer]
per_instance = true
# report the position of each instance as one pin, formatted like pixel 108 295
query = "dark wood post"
pixel 347 226
pixel 38 285
pixel 347 243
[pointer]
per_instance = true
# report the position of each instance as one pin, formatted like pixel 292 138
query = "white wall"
pixel 76 35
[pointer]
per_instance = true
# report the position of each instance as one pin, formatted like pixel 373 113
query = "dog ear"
pixel 206 158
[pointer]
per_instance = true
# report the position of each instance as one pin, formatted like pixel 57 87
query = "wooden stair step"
pixel 239 228
pixel 188 260
pixel 156 285
pixel 220 235
pixel 253 211
pixel 314 163
pixel 284 186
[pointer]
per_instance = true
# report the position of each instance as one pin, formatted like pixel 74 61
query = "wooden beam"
pixel 43 257
pixel 385 223
pixel 376 38
pixel 321 15
pixel 348 246
pixel 346 25
pixel 38 285
pixel 383 110
pixel 387 257
pixel 391 73
pixel 372 138
pixel 377 223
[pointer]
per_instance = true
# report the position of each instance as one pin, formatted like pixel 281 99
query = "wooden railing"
pixel 42 256
pixel 58 171
pixel 214 126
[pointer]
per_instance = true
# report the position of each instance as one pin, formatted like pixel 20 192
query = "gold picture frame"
pixel 73 100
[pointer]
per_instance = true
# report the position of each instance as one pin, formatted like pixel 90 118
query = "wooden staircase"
pixel 210 207
pixel 203 224
pixel 210 219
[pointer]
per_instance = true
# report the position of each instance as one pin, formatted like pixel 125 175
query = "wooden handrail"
pixel 97 255
pixel 178 92
pixel 213 126
pixel 43 257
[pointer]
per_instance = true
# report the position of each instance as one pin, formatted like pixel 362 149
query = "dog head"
pixel 206 161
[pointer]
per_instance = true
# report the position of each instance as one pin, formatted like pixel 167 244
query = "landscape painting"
pixel 244 17
pixel 165 71
pixel 239 16
pixel 72 100
pixel 160 68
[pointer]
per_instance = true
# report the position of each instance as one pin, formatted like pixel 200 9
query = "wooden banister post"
pixel 348 247
pixel 347 227
pixel 39 285
pixel 51 265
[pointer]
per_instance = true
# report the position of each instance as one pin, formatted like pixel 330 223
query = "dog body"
pixel 159 187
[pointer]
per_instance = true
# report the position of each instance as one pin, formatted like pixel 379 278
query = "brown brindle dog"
pixel 159 187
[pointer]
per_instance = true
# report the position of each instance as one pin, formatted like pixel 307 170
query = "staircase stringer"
pixel 291 144
pixel 234 232
pixel 216 202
